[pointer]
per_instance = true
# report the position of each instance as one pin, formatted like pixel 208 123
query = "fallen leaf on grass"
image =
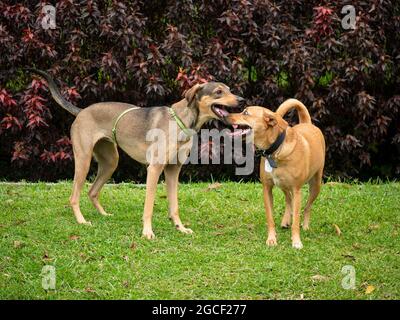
pixel 213 186
pixel 73 237
pixel 373 227
pixel 349 256
pixel 319 277
pixel 337 229
pixel 369 289
pixel 18 244
pixel 46 257
pixel 218 233
pixel 19 221
pixel 90 290
pixel 133 246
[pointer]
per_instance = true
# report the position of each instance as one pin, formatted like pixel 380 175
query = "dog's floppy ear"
pixel 270 119
pixel 273 120
pixel 191 93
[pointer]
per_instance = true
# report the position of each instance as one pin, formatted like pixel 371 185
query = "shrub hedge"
pixel 149 52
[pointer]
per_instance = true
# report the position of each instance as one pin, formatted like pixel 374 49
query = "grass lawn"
pixel 226 257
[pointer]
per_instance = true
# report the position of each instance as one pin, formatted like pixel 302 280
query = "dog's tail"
pixel 304 116
pixel 55 93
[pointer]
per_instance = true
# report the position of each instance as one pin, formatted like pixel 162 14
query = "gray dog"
pixel 96 129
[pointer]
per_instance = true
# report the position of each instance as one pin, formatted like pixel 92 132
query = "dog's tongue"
pixel 235 126
pixel 223 112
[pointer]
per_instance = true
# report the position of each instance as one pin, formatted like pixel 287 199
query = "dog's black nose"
pixel 241 101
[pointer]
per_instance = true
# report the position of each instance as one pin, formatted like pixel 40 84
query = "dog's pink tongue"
pixel 223 112
pixel 235 126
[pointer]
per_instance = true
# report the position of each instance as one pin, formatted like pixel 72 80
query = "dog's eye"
pixel 245 113
pixel 218 92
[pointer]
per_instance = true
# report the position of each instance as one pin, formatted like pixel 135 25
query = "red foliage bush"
pixel 149 52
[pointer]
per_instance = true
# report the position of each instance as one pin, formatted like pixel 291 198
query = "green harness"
pixel 171 111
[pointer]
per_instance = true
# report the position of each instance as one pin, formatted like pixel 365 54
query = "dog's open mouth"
pixel 239 130
pixel 222 111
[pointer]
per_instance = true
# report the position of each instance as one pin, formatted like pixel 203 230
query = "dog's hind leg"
pixel 287 216
pixel 83 156
pixel 314 187
pixel 106 154
pixel 171 172
pixel 153 174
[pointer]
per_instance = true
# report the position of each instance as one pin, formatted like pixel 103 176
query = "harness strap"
pixel 180 123
pixel 171 111
pixel 114 129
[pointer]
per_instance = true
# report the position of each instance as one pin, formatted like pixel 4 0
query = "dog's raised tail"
pixel 55 93
pixel 304 116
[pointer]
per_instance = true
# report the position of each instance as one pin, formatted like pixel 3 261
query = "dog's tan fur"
pixel 91 135
pixel 300 159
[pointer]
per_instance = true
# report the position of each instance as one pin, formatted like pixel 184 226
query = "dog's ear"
pixel 273 120
pixel 270 119
pixel 191 93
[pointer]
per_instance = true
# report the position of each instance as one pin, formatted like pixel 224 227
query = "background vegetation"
pixel 149 52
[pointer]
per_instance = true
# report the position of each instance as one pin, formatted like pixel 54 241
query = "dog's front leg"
pixel 268 204
pixel 296 205
pixel 171 172
pixel 153 174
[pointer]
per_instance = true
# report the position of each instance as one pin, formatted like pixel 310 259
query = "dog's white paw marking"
pixel 184 230
pixel 148 234
pixel 297 244
pixel 271 242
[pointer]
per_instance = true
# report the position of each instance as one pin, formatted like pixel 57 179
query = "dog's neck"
pixel 188 113
pixel 286 147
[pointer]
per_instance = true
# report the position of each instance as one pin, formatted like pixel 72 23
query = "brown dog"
pixel 292 156
pixel 95 131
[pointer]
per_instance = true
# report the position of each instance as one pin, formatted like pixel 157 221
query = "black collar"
pixel 267 153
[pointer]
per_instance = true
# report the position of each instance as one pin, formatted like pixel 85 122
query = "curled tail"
pixel 55 93
pixel 304 116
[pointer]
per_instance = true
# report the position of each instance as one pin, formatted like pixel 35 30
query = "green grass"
pixel 226 257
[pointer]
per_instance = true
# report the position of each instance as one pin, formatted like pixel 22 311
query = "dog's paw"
pixel 297 244
pixel 285 225
pixel 271 242
pixel 106 214
pixel 306 227
pixel 148 234
pixel 86 223
pixel 184 230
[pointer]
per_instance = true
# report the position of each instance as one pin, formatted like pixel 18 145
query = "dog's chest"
pixel 276 177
